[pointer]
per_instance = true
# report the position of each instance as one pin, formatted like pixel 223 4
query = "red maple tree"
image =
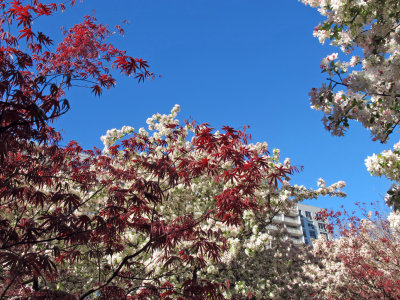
pixel 47 231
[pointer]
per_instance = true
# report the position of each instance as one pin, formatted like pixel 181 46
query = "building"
pixel 312 226
pixel 291 222
pixel 301 224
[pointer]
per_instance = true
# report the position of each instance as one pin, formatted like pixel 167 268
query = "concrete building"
pixel 301 224
pixel 313 228
pixel 292 223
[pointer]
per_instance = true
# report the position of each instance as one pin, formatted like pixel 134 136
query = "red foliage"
pixel 41 227
pixel 368 256
pixel 33 81
pixel 32 84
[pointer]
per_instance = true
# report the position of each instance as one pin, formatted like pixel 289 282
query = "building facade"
pixel 291 223
pixel 312 226
pixel 302 224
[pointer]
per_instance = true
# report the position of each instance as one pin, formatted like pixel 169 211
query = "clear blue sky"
pixel 226 63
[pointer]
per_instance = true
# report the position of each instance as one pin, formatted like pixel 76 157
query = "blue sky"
pixel 226 63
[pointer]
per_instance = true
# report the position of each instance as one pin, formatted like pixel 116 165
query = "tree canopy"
pixel 174 211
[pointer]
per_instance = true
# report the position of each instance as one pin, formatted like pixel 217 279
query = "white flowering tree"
pixel 177 211
pixel 252 260
pixel 363 263
pixel 365 84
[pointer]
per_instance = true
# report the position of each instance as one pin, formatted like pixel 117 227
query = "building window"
pixel 308 215
pixel 321 226
pixel 313 235
pixel 310 225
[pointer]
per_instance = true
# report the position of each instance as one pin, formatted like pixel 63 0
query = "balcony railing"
pixel 292 221
pixel 295 232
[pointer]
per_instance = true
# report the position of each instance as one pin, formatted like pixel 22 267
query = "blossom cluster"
pixel 394 221
pixel 387 164
pixel 363 85
pixel 114 135
pixel 370 83
pixel 362 263
pixel 167 208
pixel 250 261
